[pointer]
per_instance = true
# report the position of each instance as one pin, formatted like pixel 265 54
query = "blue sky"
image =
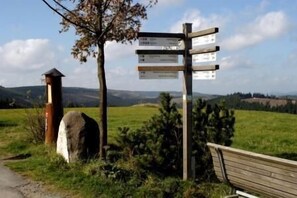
pixel 258 41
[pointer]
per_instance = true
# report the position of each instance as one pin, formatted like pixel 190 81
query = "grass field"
pixel 267 133
pixel 262 132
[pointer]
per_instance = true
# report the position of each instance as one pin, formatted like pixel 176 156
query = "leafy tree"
pixel 96 22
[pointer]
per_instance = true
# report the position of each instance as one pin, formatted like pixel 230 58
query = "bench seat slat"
pixel 264 170
pixel 251 187
pixel 266 175
pixel 261 180
pixel 278 164
pixel 276 160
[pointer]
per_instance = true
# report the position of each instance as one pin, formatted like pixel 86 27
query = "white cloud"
pixel 232 62
pixel 270 25
pixel 198 21
pixel 30 54
pixel 114 50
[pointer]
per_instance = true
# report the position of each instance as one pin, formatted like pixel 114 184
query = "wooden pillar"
pixel 187 104
pixel 53 106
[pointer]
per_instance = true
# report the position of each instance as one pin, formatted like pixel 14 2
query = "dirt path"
pixel 13 185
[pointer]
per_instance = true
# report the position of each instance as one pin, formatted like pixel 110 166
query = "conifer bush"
pixel 157 145
pixel 210 124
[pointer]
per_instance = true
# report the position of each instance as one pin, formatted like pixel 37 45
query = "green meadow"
pixel 263 132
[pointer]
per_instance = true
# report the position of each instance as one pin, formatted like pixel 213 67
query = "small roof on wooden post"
pixel 54 72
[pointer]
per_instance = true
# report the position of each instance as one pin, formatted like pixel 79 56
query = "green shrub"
pixel 157 145
pixel 35 119
pixel 210 124
pixel 35 125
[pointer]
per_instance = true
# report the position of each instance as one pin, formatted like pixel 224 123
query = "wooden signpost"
pixel 200 55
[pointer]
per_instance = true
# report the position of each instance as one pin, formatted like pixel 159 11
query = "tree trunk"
pixel 103 100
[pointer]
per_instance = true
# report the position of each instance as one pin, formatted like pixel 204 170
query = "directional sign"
pixel 204 75
pixel 158 75
pixel 158 41
pixel 206 57
pixel 157 58
pixel 203 40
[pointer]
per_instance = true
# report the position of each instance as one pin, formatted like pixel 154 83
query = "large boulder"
pixel 78 137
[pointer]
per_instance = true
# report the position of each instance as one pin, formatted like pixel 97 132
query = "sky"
pixel 257 39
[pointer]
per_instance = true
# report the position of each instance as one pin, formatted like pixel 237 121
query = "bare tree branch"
pixel 106 5
pixel 65 18
pixel 110 24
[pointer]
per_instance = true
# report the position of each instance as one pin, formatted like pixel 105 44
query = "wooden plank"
pixel 262 179
pixel 160 68
pixel 203 32
pixel 206 68
pixel 160 34
pixel 275 180
pixel 177 68
pixel 243 183
pixel 253 169
pixel 262 190
pixel 204 50
pixel 266 158
pixel 278 165
pixel 178 52
pixel 279 172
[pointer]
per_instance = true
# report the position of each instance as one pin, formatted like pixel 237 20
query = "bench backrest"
pixel 256 173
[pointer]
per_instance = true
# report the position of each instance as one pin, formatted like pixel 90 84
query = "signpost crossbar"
pixel 204 50
pixel 178 52
pixel 159 34
pixel 203 32
pixel 178 68
pixel 206 68
pixel 160 68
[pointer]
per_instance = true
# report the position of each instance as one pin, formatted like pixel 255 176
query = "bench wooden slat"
pixel 267 170
pixel 251 187
pixel 261 180
pixel 270 176
pixel 262 169
pixel 265 159
pixel 290 169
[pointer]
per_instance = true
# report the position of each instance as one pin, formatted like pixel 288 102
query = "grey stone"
pixel 78 137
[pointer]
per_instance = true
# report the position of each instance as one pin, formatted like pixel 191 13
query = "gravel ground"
pixel 12 185
pixel 36 190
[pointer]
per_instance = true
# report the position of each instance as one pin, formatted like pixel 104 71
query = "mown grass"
pixel 262 132
pixel 267 133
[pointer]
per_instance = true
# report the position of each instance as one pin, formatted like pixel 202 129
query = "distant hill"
pixel 284 104
pixel 84 97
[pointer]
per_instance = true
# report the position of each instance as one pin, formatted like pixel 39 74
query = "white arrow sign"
pixel 158 41
pixel 158 75
pixel 204 75
pixel 206 57
pixel 203 40
pixel 157 58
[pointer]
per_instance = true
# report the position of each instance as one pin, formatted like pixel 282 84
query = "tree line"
pixel 235 101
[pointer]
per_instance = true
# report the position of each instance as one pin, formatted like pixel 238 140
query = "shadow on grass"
pixel 289 156
pixel 7 124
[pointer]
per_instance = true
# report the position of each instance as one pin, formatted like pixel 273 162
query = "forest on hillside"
pixel 258 102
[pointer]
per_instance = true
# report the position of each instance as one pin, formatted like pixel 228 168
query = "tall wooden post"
pixel 53 106
pixel 170 72
pixel 187 104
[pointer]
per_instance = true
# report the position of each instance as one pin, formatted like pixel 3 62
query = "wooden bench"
pixel 254 173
